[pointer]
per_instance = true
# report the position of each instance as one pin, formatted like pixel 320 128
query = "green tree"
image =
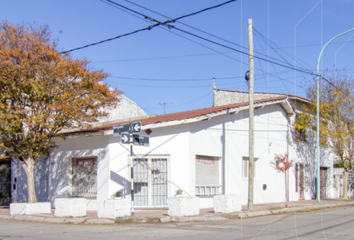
pixel 336 120
pixel 42 93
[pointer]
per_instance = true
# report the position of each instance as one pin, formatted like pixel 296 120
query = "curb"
pixel 170 219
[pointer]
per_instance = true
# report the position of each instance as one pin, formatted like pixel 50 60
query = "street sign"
pixel 125 138
pixel 118 129
pixel 141 140
pixel 135 127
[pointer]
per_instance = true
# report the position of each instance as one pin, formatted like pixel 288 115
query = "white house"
pixel 13 187
pixel 302 147
pixel 201 152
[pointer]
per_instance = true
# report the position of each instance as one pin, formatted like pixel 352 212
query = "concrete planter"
pixel 114 208
pixel 29 208
pixel 74 207
pixel 227 203
pixel 183 206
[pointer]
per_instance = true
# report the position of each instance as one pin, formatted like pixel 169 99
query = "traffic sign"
pixel 141 140
pixel 125 138
pixel 118 129
pixel 135 127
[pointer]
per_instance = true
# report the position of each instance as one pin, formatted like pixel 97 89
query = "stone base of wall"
pixel 183 206
pixel 114 208
pixel 29 208
pixel 227 203
pixel 74 207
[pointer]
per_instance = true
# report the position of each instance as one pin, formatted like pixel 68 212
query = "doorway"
pixel 300 181
pixel 323 182
pixel 5 184
pixel 150 182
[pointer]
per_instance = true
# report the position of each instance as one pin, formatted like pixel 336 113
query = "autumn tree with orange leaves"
pixel 43 92
pixel 283 164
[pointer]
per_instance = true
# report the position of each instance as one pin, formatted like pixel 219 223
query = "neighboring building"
pixel 13 186
pixel 302 146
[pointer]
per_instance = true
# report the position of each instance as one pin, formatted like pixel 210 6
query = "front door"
pixel 301 183
pixel 150 182
pixel 323 178
pixel 5 184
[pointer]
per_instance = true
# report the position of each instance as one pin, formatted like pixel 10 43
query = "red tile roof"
pixel 177 116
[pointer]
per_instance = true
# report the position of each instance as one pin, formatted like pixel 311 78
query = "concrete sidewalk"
pixel 156 216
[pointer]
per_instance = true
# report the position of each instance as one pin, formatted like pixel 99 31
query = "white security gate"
pixel 150 182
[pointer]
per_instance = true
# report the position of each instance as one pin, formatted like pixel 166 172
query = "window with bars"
pixel 245 167
pixel 207 175
pixel 84 180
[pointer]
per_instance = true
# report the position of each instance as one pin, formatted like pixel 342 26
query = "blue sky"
pixel 167 67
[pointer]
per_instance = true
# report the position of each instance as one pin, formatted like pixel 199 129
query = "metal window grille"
pixel 84 181
pixel 207 190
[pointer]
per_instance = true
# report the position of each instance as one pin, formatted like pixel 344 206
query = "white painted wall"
pixel 124 109
pixel 60 179
pixel 225 136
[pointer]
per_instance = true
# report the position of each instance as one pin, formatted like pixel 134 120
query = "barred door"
pixel 5 183
pixel 150 182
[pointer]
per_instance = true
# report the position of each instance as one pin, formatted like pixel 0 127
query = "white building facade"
pixel 202 152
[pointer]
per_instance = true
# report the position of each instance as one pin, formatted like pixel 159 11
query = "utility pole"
pixel 251 120
pixel 164 106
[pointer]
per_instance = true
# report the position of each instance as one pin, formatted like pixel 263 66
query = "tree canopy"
pixel 43 92
pixel 336 119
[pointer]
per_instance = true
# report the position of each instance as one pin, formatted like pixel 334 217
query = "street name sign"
pixel 141 140
pixel 125 138
pixel 118 129
pixel 135 127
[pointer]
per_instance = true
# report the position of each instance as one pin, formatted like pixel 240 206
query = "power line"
pixel 186 32
pixel 203 10
pixel 223 39
pixel 264 38
pixel 185 80
pixel 222 45
pixel 110 39
pixel 158 23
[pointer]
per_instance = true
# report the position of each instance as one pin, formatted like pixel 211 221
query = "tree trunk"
pixel 286 190
pixel 345 184
pixel 28 165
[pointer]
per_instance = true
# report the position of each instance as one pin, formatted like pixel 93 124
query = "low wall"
pixel 183 206
pixel 30 208
pixel 74 207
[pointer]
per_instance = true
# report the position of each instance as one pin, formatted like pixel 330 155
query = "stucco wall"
pixel 225 136
pixel 124 109
pixel 60 179
pixel 208 138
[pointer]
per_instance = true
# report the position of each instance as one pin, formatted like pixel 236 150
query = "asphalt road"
pixel 335 223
